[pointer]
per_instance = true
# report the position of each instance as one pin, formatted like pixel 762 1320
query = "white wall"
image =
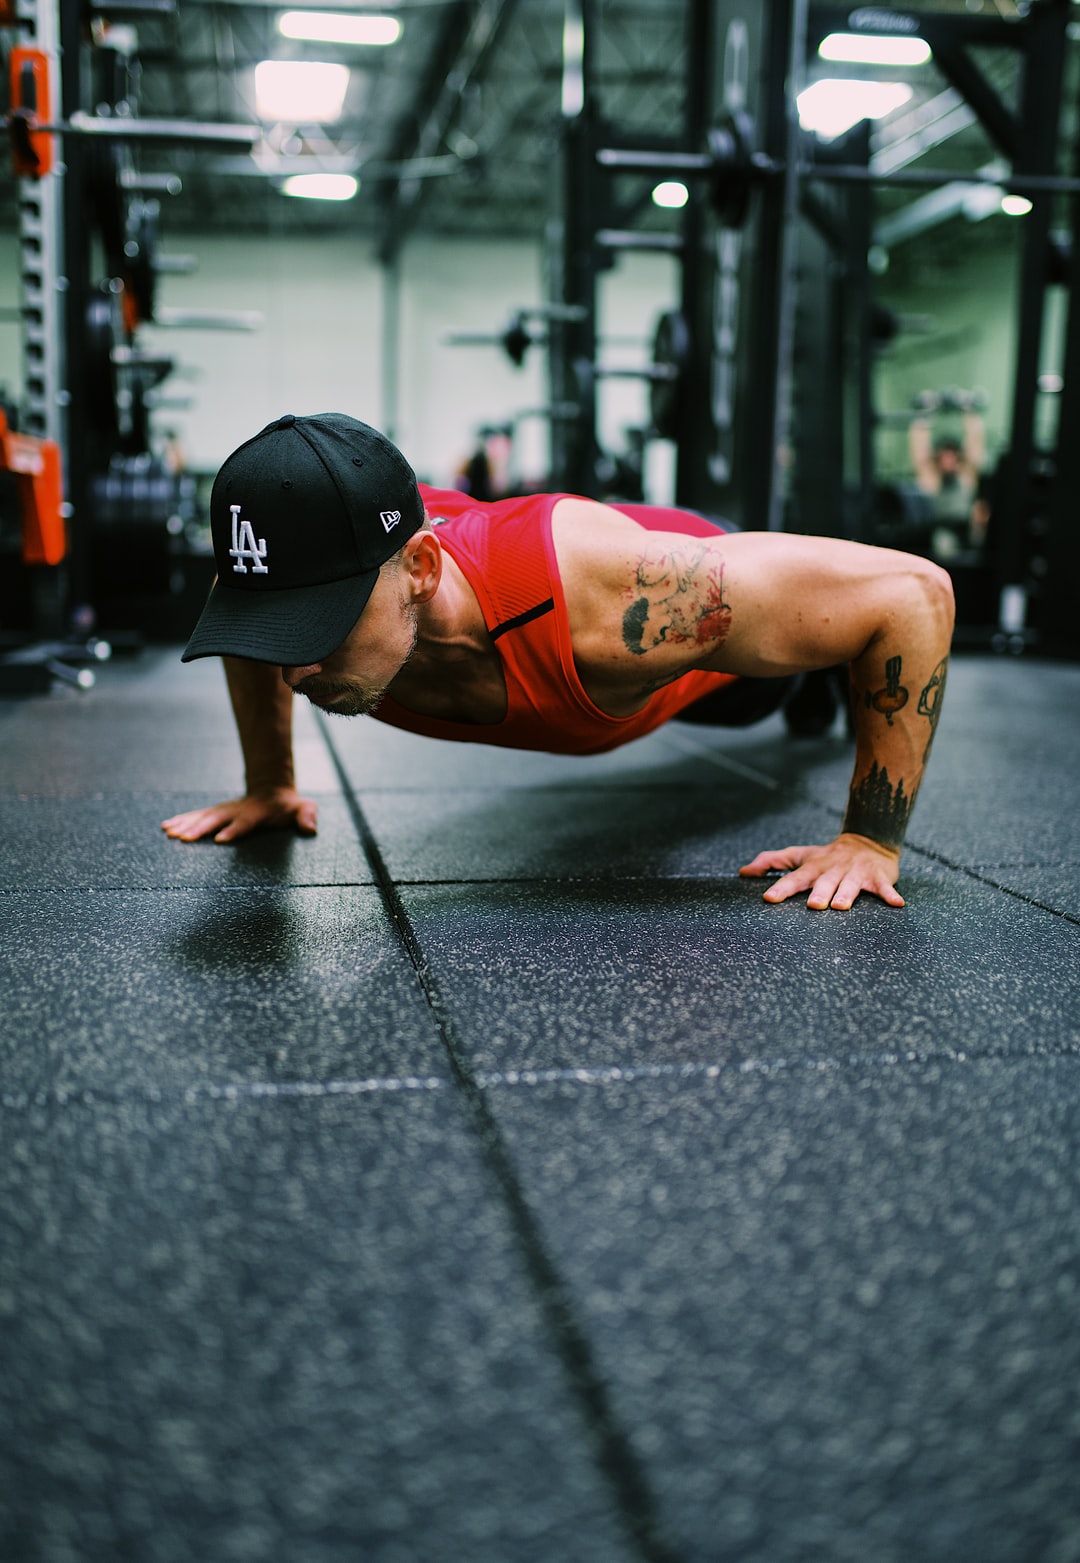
pixel 446 393
pixel 631 297
pixel 320 347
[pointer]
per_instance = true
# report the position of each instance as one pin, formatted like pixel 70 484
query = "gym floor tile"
pixel 836 1307
pixel 149 725
pixel 626 1217
pixel 1045 887
pixel 1004 766
pixel 987 817
pixel 375 755
pixel 1055 885
pixel 681 828
pixel 1005 761
pixel 116 842
pixel 130 990
pixel 684 972
pixel 289 1329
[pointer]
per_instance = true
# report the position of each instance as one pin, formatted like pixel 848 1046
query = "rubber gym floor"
pixel 497 1177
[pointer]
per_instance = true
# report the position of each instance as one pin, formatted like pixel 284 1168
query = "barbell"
pixel 733 168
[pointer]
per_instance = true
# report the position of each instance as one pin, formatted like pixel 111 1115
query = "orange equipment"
pixel 37 469
pixel 32 149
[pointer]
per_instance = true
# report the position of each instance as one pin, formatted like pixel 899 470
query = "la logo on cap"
pixel 244 546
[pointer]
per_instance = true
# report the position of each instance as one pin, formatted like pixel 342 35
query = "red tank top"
pixel 506 554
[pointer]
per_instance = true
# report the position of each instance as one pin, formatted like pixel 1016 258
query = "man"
pixel 947 471
pixel 551 622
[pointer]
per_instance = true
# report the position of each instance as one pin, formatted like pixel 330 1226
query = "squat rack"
pixel 746 159
pixel 82 373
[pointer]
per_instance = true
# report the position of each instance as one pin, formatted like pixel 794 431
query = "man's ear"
pixel 423 561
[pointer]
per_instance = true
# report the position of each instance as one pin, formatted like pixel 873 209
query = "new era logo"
pixel 244 546
pixel 389 519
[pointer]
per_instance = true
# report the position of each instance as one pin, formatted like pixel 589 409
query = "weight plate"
pixel 671 350
pixel 103 333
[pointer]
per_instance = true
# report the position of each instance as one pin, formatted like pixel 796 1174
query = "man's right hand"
pixel 270 808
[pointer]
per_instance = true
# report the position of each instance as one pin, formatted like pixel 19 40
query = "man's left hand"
pixel 835 875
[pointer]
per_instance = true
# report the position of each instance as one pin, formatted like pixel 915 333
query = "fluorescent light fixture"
pixel 874 49
pixel 339 27
pixel 300 92
pixel 833 105
pixel 322 187
pixel 1015 205
pixel 670 193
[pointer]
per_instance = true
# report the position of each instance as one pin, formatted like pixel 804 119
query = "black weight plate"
pixel 671 350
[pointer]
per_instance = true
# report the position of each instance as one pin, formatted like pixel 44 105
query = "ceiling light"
pixel 322 187
pixel 1015 205
pixel 300 92
pixel 339 27
pixel 670 193
pixel 874 49
pixel 834 105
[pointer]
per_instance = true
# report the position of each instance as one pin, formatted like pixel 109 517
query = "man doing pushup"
pixel 552 622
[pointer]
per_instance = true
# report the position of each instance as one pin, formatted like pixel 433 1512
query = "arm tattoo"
pixel 678 601
pixel 930 701
pixel 877 809
pixel 894 697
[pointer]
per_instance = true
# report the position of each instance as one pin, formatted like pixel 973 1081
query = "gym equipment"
pixel 37 469
pixel 515 339
pixel 102 339
pixel 141 509
pixel 30 102
pixel 928 403
pixel 733 170
pixel 98 515
pixel 744 406
pixel 952 399
pixel 672 353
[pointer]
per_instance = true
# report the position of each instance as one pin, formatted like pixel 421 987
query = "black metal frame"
pixel 571 258
pixel 1030 512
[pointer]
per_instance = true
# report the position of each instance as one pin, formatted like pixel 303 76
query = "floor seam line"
pixel 225 1091
pixel 494 1079
pixel 276 888
pixel 993 884
pixel 616 1460
pixel 803 793
pixel 972 873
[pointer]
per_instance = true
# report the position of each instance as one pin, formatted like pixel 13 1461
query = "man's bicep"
pixel 799 602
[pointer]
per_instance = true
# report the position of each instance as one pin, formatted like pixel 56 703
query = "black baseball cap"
pixel 303 516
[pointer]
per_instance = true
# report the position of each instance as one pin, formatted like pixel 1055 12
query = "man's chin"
pixel 344 703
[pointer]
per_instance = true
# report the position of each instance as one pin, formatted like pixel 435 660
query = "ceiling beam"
pixel 469 37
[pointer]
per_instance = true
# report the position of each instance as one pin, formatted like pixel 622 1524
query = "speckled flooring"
pixel 496 1178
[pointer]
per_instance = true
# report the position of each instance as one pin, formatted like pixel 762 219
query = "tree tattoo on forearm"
pixel 878 809
pixel 678 600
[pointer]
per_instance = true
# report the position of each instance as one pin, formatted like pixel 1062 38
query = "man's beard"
pixel 348 697
pixel 351 696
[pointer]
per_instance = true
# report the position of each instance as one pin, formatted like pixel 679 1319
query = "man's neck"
pixel 455 671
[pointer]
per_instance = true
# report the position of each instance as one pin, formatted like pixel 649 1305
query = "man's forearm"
pixel 262 706
pixel 974 442
pixel 921 449
pixel 897 688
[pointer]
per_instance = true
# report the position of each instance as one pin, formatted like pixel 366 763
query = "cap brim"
pixel 290 628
